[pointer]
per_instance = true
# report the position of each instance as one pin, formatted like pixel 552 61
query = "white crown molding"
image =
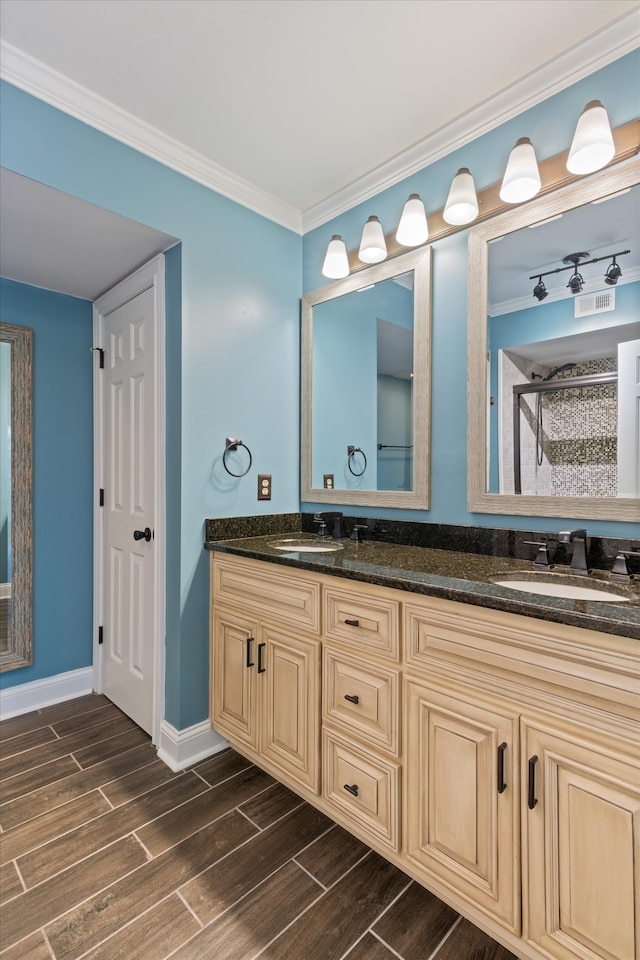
pixel 609 44
pixel 34 77
pixel 26 697
pixel 182 748
pixel 526 302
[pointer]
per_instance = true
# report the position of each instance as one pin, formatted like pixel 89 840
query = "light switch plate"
pixel 328 481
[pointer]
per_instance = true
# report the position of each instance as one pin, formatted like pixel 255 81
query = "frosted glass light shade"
pixel 413 229
pixel 521 179
pixel 373 247
pixel 592 146
pixel 336 260
pixel 462 203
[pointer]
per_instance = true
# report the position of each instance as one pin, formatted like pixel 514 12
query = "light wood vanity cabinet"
pixel 493 757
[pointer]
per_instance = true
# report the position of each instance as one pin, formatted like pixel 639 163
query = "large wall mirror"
pixel 366 344
pixel 554 353
pixel 16 535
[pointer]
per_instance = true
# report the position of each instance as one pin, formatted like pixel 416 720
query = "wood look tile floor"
pixel 105 854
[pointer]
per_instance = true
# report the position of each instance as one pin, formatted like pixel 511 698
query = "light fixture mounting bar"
pixel 553 173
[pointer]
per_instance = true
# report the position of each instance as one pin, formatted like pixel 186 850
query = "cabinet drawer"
pixel 366 623
pixel 362 700
pixel 371 802
pixel 276 593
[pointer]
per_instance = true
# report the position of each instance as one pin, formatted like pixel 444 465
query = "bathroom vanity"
pixel 484 741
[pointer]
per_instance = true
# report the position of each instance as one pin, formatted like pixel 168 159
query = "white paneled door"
pixel 129 508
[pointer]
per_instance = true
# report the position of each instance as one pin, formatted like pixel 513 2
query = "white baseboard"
pixel 181 748
pixel 42 693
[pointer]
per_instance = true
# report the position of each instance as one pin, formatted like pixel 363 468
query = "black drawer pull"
pixel 532 782
pixel 249 660
pixel 351 698
pixel 501 784
pixel 352 789
pixel 353 623
pixel 261 647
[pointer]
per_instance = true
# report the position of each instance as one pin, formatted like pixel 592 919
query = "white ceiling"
pixel 296 108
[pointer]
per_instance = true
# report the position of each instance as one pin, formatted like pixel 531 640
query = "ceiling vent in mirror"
pixel 599 302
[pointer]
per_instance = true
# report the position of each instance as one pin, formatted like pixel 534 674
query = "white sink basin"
pixel 569 591
pixel 303 545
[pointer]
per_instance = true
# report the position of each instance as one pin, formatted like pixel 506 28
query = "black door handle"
pixel 532 783
pixel 142 534
pixel 261 647
pixel 501 784
pixel 352 698
pixel 249 660
pixel 353 623
pixel 352 789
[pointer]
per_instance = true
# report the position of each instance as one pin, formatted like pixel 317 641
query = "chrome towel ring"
pixel 351 452
pixel 230 445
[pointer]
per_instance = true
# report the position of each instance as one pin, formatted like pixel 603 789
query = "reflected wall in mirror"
pixel 16 460
pixel 553 422
pixel 366 386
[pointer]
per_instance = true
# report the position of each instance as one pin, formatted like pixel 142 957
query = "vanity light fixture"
pixel 540 291
pixel 373 247
pixel 413 229
pixel 592 146
pixel 462 203
pixel 521 179
pixel 336 260
pixel 613 273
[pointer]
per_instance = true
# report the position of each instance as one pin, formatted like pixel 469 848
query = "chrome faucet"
pixel 579 556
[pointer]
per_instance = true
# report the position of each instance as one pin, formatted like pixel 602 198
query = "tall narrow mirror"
pixel 366 387
pixel 16 536
pixel 554 350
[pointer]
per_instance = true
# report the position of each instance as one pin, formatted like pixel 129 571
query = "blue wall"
pixel 550 126
pixel 233 365
pixel 62 477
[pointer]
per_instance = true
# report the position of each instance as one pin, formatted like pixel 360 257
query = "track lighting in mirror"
pixel 373 247
pixel 462 203
pixel 540 291
pixel 613 273
pixel 521 179
pixel 576 280
pixel 413 229
pixel 336 260
pixel 592 146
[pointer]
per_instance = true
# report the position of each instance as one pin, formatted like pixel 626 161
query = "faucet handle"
pixel 620 569
pixel 323 530
pixel 356 535
pixel 543 558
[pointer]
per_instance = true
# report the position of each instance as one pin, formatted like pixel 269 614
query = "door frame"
pixel 151 275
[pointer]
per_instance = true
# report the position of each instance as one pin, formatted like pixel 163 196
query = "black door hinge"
pixel 100 634
pixel 101 502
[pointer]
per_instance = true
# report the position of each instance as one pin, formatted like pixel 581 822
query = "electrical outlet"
pixel 264 486
pixel 328 481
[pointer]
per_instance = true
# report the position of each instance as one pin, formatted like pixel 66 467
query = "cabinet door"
pixel 581 835
pixel 462 798
pixel 233 676
pixel 289 682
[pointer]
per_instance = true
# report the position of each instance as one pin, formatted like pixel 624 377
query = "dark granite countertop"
pixel 463 577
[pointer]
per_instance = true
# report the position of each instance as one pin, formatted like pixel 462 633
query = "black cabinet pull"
pixel 532 782
pixel 351 698
pixel 352 789
pixel 353 623
pixel 249 660
pixel 261 647
pixel 501 784
pixel 142 534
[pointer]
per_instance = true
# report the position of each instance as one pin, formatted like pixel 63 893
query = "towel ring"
pixel 351 452
pixel 231 444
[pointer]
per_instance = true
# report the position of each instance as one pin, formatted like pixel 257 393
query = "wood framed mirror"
pixel 16 497
pixel 588 473
pixel 365 386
